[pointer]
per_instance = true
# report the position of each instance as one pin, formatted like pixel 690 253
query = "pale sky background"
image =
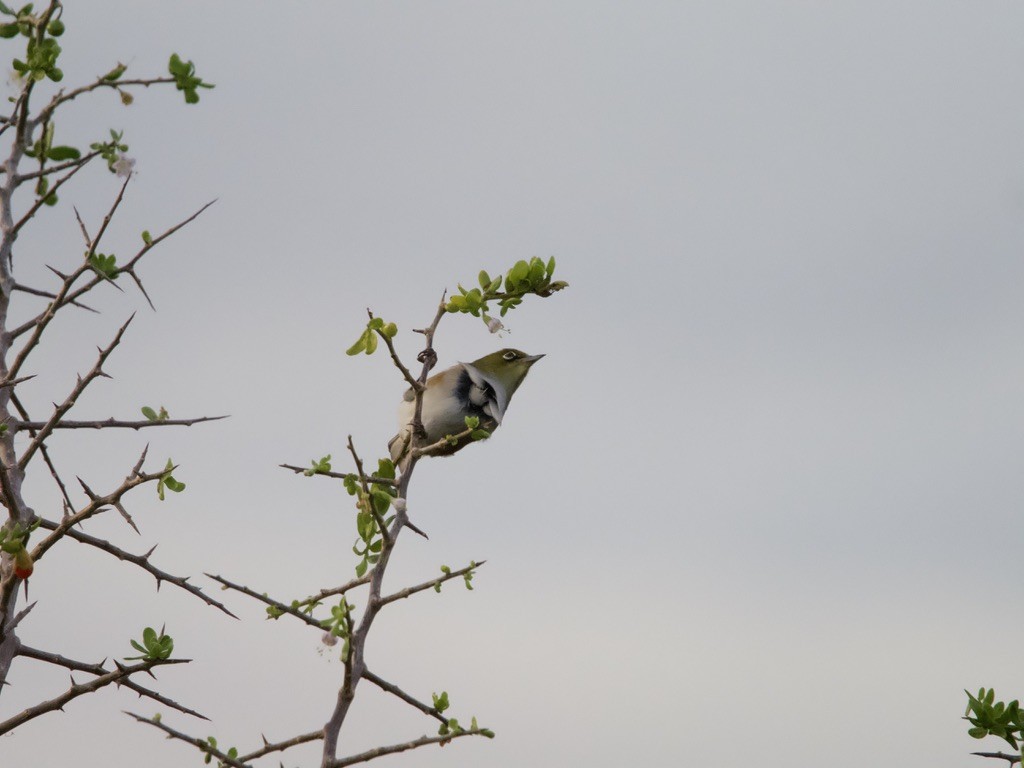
pixel 761 503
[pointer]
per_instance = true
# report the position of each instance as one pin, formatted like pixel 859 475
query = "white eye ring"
pixel 509 356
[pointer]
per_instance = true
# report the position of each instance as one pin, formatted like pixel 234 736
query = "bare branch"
pixel 62 97
pixel 304 617
pixel 49 170
pixel 423 741
pixel 41 201
pixel 201 744
pixel 140 560
pixel 69 505
pixel 406 373
pixel 58 413
pixel 323 594
pixel 1010 759
pixel 341 475
pixel 384 685
pixel 78 689
pixel 100 669
pixel 98 504
pixel 404 593
pixel 118 423
pixel 48 295
pixel 281 746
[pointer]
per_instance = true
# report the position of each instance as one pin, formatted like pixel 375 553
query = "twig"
pixel 140 560
pixel 395 359
pixel 46 428
pixel 203 745
pixel 1010 759
pixel 98 504
pixel 23 413
pixel 48 295
pixel 41 201
pixel 384 685
pixel 341 475
pixel 63 98
pixel 77 689
pixel 304 617
pixel 119 423
pixel 408 591
pixel 372 754
pixel 281 746
pixel 323 594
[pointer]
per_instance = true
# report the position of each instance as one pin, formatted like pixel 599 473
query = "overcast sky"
pixel 760 503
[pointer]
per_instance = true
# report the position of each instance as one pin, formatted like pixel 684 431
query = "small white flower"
pixel 398 504
pixel 329 640
pixel 124 166
pixel 15 80
pixel 494 324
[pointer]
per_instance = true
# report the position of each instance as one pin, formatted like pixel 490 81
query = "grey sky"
pixel 761 502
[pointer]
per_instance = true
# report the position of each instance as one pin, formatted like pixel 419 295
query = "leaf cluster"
pixel 232 753
pixel 989 717
pixel 155 416
pixel 319 467
pixel 111 150
pixel 167 481
pixel 340 625
pixel 184 74
pixel 523 279
pixel 372 505
pixel 367 341
pixel 41 50
pixel 154 647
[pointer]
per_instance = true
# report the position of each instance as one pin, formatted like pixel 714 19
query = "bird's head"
pixel 508 367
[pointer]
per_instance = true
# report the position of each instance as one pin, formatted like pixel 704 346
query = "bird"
pixel 482 388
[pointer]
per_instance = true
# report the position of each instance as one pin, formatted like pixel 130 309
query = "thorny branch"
pixel 201 744
pixel 423 741
pixel 77 689
pixel 432 584
pixel 99 670
pixel 142 561
pixel 277 605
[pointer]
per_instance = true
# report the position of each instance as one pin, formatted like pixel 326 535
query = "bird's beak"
pixel 531 359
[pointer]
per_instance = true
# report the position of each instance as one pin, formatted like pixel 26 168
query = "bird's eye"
pixel 510 355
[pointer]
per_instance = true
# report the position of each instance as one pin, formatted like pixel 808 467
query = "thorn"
pixel 142 460
pixel 265 742
pixel 412 527
pixel 57 272
pixel 151 551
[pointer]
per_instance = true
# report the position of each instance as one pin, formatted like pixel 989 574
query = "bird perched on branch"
pixel 482 389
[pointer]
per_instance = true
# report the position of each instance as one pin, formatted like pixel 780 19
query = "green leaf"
pixel 386 468
pixel 8 31
pixel 146 237
pixel 390 330
pixel 115 74
pixel 371 342
pixel 376 323
pixel 149 413
pixel 360 344
pixel 63 153
pixel 551 266
pixel 485 279
pixel 55 27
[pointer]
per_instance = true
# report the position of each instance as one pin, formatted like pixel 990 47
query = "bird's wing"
pixel 493 391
